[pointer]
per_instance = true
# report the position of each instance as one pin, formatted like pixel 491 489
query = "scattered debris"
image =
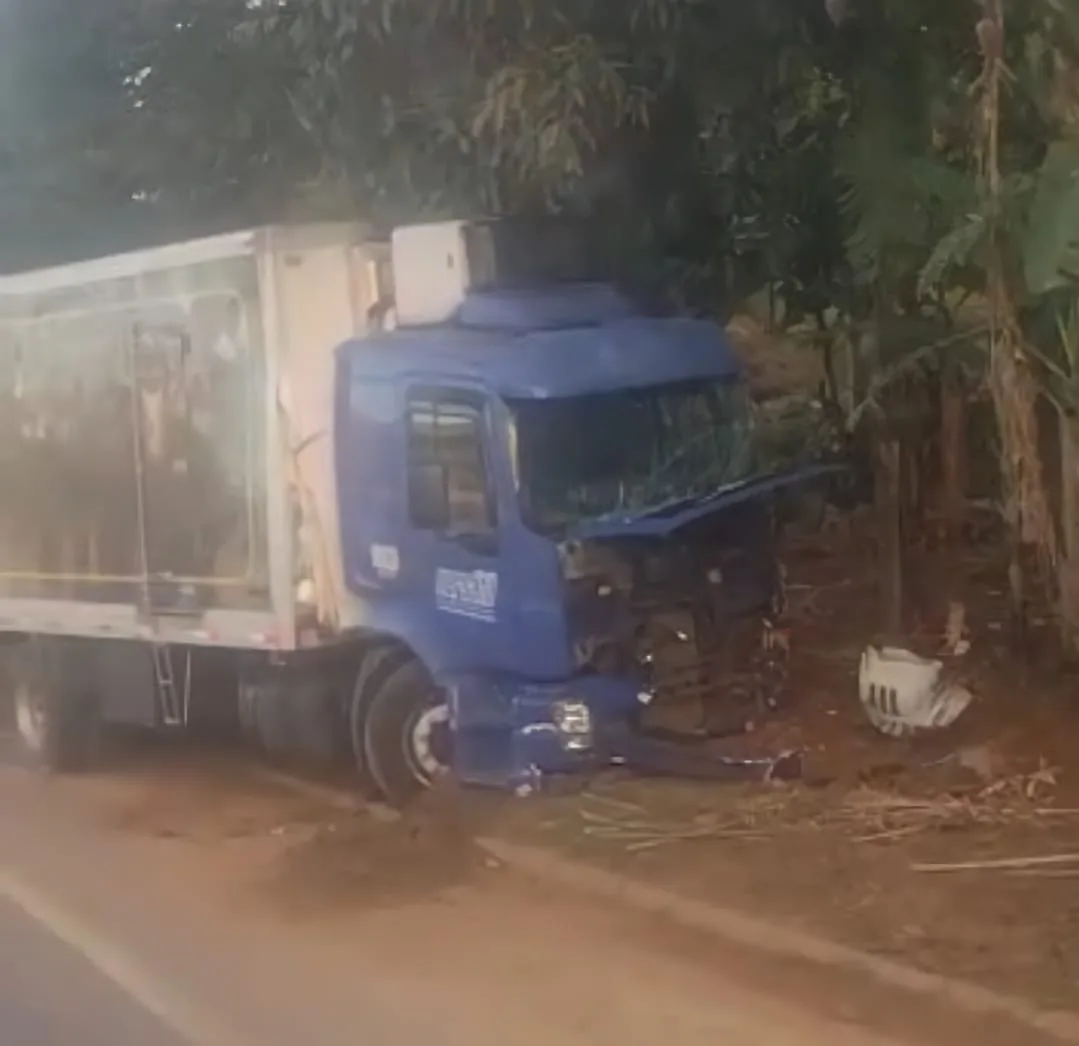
pixel 956 643
pixel 879 816
pixel 638 834
pixel 657 754
pixel 864 815
pixel 903 694
pixel 1029 786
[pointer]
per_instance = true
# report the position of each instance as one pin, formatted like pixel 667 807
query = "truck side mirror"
pixel 429 497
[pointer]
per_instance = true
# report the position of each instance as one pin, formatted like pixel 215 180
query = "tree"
pixel 709 126
pixel 988 151
pixel 60 108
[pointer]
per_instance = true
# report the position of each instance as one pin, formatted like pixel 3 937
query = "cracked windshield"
pixel 630 452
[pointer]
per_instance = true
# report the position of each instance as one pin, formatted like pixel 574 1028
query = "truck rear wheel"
pixel 406 734
pixel 58 724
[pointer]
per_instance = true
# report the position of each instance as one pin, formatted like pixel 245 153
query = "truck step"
pixel 175 701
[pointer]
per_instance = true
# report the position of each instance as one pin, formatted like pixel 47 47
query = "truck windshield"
pixel 629 451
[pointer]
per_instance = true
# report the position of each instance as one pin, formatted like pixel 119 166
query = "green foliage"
pixel 956 250
pixel 919 223
pixel 1049 237
pixel 722 149
pixel 898 202
pixel 700 136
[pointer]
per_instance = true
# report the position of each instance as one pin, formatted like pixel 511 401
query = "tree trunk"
pixel 953 459
pixel 1026 503
pixel 1068 564
pixel 888 499
pixel 1011 383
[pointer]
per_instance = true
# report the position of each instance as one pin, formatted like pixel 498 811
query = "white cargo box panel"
pixel 166 464
pixel 435 265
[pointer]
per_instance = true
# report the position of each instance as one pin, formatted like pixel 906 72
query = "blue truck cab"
pixel 539 497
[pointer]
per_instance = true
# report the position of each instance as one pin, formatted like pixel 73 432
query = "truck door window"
pixel 449 433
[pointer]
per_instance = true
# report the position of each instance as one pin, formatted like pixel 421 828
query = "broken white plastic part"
pixel 903 693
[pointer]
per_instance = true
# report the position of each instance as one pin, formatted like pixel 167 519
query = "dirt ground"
pixel 839 851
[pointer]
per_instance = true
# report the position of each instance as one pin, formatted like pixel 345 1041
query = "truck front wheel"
pixel 406 734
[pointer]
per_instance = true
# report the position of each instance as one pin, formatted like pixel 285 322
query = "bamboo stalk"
pixel 999 864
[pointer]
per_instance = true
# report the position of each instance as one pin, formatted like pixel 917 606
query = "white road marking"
pixel 122 969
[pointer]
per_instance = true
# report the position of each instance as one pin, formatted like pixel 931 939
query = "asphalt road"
pixel 50 994
pixel 173 906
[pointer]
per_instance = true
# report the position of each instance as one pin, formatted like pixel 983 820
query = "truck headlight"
pixel 573 721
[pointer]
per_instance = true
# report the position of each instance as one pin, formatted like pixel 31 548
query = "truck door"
pixel 181 484
pixel 452 510
pixel 159 409
pixel 195 459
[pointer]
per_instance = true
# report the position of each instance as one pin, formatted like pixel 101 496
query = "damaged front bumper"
pixel 513 734
pixel 517 736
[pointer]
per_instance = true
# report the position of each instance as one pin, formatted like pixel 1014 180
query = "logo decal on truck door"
pixel 467 593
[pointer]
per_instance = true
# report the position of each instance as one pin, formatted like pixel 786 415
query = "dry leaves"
pixel 865 815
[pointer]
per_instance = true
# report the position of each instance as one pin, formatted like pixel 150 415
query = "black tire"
pixel 271 720
pixel 318 723
pixel 247 714
pixel 390 754
pixel 377 666
pixel 58 722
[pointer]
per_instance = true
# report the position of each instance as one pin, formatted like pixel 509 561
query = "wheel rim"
pixel 427 742
pixel 30 717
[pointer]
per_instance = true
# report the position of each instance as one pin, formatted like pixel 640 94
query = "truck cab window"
pixel 449 434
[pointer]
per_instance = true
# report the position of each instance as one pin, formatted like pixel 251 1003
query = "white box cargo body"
pixel 166 439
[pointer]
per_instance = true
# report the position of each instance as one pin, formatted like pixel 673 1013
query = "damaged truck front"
pixel 519 531
pixel 584 549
